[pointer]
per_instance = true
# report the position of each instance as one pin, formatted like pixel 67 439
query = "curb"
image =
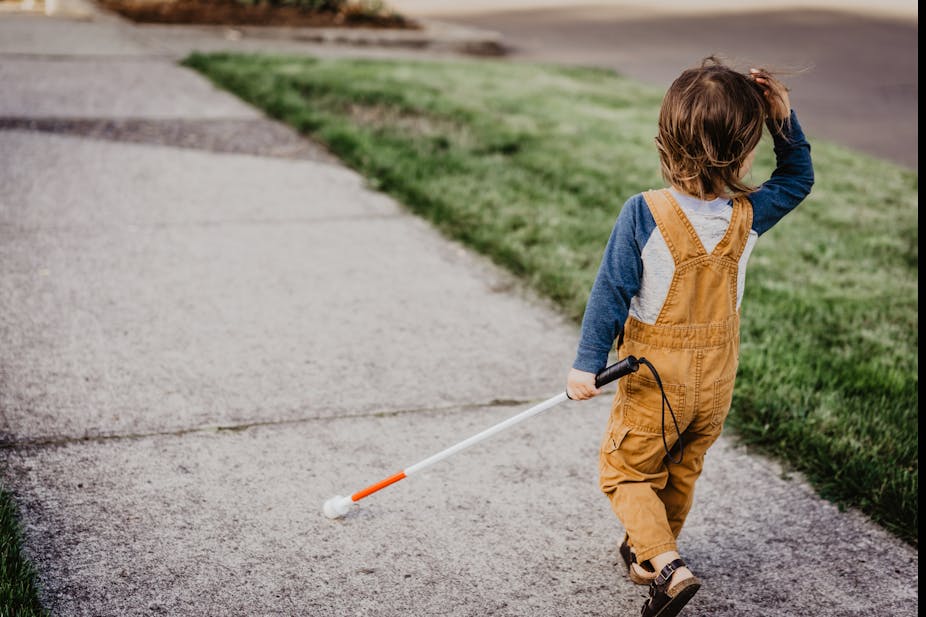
pixel 77 9
pixel 433 35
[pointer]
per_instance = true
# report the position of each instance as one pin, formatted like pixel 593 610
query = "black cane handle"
pixel 616 371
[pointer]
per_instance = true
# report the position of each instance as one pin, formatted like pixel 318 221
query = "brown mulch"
pixel 233 13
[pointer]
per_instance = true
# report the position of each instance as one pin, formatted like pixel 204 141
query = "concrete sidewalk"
pixel 201 344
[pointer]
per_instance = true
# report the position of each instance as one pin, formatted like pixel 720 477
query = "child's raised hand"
pixel 779 104
pixel 580 385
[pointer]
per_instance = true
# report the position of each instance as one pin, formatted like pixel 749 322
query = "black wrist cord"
pixel 666 403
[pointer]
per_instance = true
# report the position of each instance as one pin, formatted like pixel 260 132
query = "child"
pixel 669 289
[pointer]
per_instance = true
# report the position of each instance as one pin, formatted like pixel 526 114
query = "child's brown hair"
pixel 710 121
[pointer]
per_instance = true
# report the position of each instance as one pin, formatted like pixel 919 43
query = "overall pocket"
pixel 722 398
pixel 611 465
pixel 643 406
pixel 614 437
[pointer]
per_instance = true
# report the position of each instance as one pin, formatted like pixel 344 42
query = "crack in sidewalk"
pixel 90 230
pixel 257 136
pixel 91 57
pixel 9 443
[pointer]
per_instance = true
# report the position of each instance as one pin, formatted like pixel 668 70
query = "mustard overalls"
pixel 694 346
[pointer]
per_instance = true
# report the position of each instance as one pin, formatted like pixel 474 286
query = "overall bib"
pixel 694 346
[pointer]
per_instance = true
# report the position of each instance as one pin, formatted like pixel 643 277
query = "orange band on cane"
pixel 372 489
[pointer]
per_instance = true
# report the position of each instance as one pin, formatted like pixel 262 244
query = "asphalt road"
pixel 853 76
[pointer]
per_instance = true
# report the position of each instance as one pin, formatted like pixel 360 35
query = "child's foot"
pixel 671 590
pixel 639 573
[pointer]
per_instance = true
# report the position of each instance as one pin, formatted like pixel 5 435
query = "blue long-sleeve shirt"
pixel 637 267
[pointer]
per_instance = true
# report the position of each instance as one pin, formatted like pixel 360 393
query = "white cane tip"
pixel 337 506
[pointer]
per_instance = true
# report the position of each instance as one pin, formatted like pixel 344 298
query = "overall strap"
pixel 734 241
pixel 676 229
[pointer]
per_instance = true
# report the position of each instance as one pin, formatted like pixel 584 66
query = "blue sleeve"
pixel 617 282
pixel 790 182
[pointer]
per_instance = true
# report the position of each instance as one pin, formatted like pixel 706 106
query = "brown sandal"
pixel 666 600
pixel 641 574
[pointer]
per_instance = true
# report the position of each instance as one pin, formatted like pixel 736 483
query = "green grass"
pixel 530 165
pixel 18 594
